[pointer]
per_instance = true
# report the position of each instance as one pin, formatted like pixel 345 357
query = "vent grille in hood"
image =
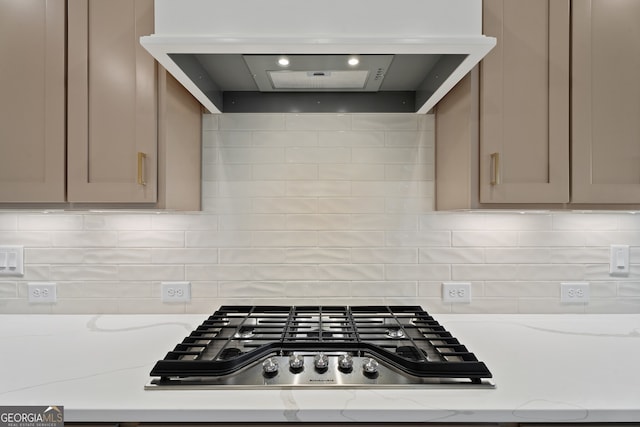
pixel 232 65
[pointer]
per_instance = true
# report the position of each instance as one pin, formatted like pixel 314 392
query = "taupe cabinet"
pixel 32 100
pixel 524 107
pixel 536 99
pixel 124 115
pixel 606 101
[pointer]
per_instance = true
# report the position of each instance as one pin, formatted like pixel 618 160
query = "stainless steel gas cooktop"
pixel 319 346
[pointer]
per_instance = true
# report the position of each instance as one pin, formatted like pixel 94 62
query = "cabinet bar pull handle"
pixel 141 160
pixel 495 168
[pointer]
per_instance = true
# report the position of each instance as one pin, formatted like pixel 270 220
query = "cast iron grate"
pixel 405 337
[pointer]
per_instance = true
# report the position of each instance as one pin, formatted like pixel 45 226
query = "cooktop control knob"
pixel 270 366
pixel 370 366
pixel 345 362
pixel 296 362
pixel 321 361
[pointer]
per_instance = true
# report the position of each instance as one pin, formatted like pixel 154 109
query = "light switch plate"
pixel 619 260
pixel 11 261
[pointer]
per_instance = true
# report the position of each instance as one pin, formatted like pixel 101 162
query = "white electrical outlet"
pixel 456 292
pixel 574 292
pixel 42 292
pixel 176 291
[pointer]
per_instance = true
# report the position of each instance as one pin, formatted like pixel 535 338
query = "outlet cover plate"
pixel 456 292
pixel 574 292
pixel 175 292
pixel 42 292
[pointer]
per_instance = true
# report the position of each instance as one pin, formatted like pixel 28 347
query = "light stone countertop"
pixel 547 368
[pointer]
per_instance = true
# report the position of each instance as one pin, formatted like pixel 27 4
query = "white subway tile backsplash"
pixel 384 255
pixel 493 272
pixel 8 221
pixel 252 256
pixel 418 239
pixel 151 239
pixel 630 289
pixel 410 139
pixel 84 239
pixel 350 272
pixel 417 272
pixel 34 239
pixel 350 239
pixel 251 155
pixel 210 122
pixel 352 139
pixel 251 122
pixel 409 172
pixel 593 221
pixel 83 272
pixel 319 222
pixel 322 255
pixel 514 255
pixel 332 205
pixel 284 238
pixel 183 256
pixel 231 172
pixel 318 122
pixel 349 171
pixel 184 222
pixel 320 209
pixel 369 155
pixel 8 290
pixel 440 255
pixel 285 205
pixel 50 222
pixel 399 189
pixel 217 239
pixel 383 289
pixel 281 172
pixel 284 272
pixel 399 121
pixel 552 238
pixel 250 189
pixel 252 222
pixel 318 189
pixel 484 238
pixel 285 139
pixel 151 272
pixel 315 155
pixel 117 222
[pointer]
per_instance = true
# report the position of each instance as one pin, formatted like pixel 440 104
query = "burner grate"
pixel 406 338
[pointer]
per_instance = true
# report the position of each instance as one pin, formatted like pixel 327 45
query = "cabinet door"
pixel 32 100
pixel 524 103
pixel 111 102
pixel 606 101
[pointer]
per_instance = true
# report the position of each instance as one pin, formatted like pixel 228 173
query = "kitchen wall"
pixel 319 209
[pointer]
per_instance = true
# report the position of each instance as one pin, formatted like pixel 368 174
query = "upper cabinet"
pixel 129 129
pixel 32 100
pixel 562 79
pixel 524 103
pixel 112 92
pixel 606 101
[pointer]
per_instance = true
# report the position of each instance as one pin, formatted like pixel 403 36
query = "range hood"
pixel 318 56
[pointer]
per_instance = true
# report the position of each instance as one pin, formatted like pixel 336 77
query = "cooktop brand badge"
pixel 31 416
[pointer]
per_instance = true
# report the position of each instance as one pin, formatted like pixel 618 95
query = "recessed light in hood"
pixel 409 53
